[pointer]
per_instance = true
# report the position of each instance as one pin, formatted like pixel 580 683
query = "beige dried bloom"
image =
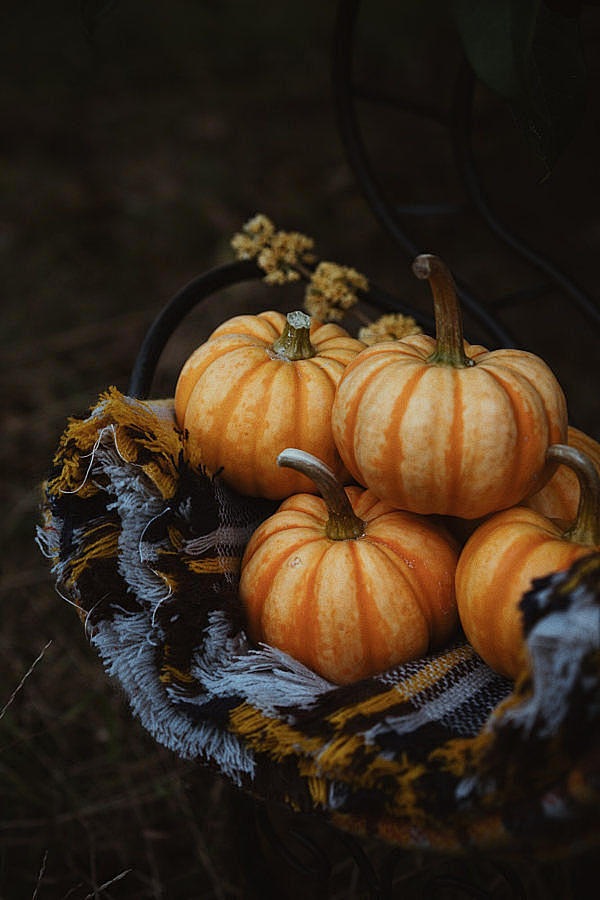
pixel 332 291
pixel 255 234
pixel 278 253
pixel 391 327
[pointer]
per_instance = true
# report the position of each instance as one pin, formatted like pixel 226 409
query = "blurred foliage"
pixel 532 55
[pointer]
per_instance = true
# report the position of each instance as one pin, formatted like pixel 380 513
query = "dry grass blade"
pixel 106 884
pixel 24 679
pixel 40 876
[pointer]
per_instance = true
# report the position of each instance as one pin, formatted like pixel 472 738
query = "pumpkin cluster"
pixel 425 483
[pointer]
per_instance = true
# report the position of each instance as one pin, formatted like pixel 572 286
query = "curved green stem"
pixel 294 341
pixel 343 523
pixel 586 527
pixel 450 349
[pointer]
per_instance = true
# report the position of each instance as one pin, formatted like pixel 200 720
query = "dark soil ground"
pixel 134 144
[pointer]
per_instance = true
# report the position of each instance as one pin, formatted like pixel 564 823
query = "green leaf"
pixel 532 56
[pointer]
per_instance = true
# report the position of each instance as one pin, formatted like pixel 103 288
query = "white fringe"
pixel 127 656
pixel 267 678
pixel 557 645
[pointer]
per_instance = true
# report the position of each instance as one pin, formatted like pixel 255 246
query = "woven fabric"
pixel 438 753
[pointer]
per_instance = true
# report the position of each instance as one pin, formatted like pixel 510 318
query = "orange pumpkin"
pixel 347 584
pixel 441 426
pixel 559 498
pixel 503 556
pixel 257 385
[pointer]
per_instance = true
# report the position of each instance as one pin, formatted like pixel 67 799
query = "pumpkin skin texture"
pixel 349 608
pixel 456 432
pixel 559 498
pixel 241 403
pixel 500 560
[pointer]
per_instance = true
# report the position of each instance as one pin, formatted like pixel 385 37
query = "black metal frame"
pixel 202 288
pixel 345 93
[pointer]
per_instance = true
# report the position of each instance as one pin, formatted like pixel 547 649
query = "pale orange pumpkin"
pixel 347 584
pixel 441 426
pixel 502 557
pixel 257 385
pixel 559 498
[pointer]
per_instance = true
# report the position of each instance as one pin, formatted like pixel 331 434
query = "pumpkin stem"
pixel 294 341
pixel 343 523
pixel 586 527
pixel 450 350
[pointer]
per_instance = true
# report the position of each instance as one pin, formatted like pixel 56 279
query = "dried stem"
pixel 586 527
pixel 294 341
pixel 343 523
pixel 450 350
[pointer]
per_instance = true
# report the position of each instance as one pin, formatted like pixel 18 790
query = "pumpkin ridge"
pixel 260 539
pixel 322 364
pixel 218 349
pixel 296 420
pixel 366 510
pixel 236 328
pixel 321 369
pixel 337 342
pixel 238 340
pixel 562 436
pixel 277 326
pixel 417 588
pixel 395 420
pixel 263 585
pixel 350 417
pixel 498 521
pixel 455 441
pixel 421 344
pixel 390 350
pixel 306 512
pixel 389 512
pixel 255 454
pixel 228 404
pixel 365 622
pixel 310 624
pixel 522 417
pixel 332 330
pixel 513 560
pixel 535 390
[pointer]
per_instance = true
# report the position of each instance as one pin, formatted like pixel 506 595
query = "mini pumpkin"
pixel 347 584
pixel 441 426
pixel 257 385
pixel 503 556
pixel 559 498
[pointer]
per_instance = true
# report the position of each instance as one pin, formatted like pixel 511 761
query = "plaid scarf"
pixel 439 753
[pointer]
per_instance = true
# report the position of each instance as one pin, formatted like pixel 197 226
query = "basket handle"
pixel 193 293
pixel 199 289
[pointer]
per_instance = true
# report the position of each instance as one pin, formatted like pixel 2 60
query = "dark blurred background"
pixel 137 137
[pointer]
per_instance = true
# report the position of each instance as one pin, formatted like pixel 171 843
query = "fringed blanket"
pixel 439 753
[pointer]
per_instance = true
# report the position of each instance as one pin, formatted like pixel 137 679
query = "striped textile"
pixel 440 753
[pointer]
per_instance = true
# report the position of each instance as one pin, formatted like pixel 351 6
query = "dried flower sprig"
pixel 282 255
pixel 332 291
pixel 286 256
pixel 390 327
